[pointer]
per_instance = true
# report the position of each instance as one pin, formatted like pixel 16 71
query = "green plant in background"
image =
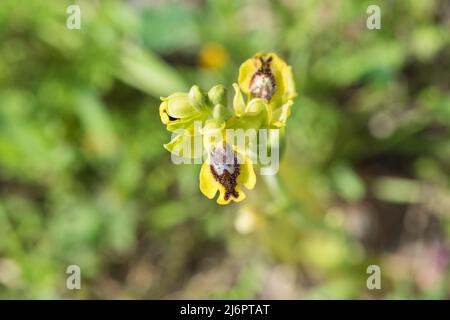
pixel 268 83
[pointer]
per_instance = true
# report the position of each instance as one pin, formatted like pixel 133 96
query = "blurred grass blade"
pixel 397 190
pixel 147 72
pixel 347 183
pixel 99 137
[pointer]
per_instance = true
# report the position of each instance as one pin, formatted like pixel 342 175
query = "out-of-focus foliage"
pixel 84 178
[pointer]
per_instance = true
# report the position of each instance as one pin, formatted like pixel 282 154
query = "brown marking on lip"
pixel 226 179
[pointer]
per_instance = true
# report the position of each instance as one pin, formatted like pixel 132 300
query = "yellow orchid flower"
pixel 266 76
pixel 224 171
pixel 180 109
pixel 227 134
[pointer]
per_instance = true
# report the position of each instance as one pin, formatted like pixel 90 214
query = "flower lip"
pixel 223 159
pixel 219 174
pixel 262 83
pixel 225 169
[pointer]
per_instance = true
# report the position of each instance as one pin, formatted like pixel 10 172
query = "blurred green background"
pixel 84 178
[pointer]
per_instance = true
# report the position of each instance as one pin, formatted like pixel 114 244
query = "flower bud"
pixel 197 98
pixel 218 95
pixel 179 106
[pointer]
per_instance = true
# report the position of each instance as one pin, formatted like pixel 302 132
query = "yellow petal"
pixel 246 71
pixel 184 145
pixel 247 175
pixel 185 123
pixel 238 100
pixel 289 83
pixel 180 107
pixel 174 145
pixel 163 112
pixel 208 185
pixel 280 115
